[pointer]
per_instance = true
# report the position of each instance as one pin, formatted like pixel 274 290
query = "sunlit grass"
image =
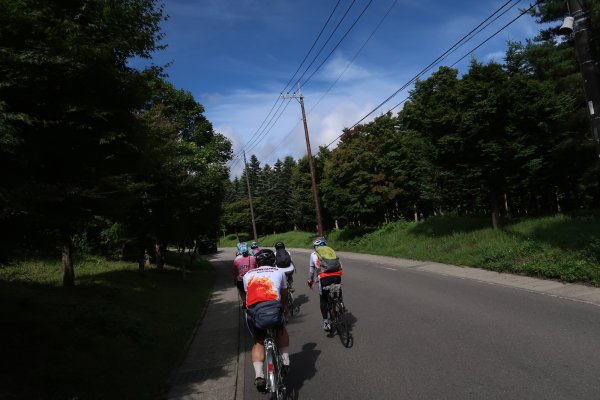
pixel 565 247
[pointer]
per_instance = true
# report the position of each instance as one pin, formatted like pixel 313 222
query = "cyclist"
pixel 323 279
pixel 241 265
pixel 254 248
pixel 283 261
pixel 266 287
pixel 241 245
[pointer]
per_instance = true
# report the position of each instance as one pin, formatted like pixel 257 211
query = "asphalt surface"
pixel 441 335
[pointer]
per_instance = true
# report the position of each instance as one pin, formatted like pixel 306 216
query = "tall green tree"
pixel 67 98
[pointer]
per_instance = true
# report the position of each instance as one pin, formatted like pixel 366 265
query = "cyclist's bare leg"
pixel 258 351
pixel 283 339
pixel 283 342
pixel 258 357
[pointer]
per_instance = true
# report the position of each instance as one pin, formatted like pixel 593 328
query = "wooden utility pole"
pixel 250 197
pixel 587 64
pixel 310 164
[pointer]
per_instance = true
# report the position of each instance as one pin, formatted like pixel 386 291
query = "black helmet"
pixel 279 245
pixel 265 257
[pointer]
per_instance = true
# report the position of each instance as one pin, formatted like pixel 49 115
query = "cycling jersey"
pixel 264 284
pixel 243 264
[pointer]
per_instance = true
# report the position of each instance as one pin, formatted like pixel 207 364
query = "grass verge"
pixel 117 334
pixel 563 247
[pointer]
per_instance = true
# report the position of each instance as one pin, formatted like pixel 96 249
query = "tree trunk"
pixel 158 252
pixel 67 259
pixel 141 260
pixel 494 203
pixel 416 213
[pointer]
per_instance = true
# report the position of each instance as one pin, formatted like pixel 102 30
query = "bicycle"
pixel 336 311
pixel 274 367
pixel 292 310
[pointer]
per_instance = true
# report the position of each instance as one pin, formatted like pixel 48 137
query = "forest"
pixel 509 139
pixel 97 156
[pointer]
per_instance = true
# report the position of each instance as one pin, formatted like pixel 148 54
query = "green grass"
pixel 116 334
pixel 298 239
pixel 564 247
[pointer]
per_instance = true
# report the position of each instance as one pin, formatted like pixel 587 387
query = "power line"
pixel 326 41
pixel 437 60
pixel 258 130
pixel 383 18
pixel 337 45
pixel 266 132
pixel 313 45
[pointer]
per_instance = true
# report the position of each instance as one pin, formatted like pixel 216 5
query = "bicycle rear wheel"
pixel 341 326
pixel 272 377
pixel 274 372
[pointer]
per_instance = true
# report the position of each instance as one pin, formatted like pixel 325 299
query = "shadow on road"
pixel 350 319
pixel 300 300
pixel 303 368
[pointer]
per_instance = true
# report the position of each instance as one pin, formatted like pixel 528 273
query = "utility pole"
pixel 250 196
pixel 589 68
pixel 311 165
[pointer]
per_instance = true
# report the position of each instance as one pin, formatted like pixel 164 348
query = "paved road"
pixel 423 335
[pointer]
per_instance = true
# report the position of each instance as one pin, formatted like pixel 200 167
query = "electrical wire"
pixel 237 155
pixel 437 60
pixel 383 18
pixel 337 45
pixel 325 44
pixel 313 45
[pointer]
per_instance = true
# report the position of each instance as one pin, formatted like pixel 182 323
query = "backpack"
pixel 282 258
pixel 267 314
pixel 329 261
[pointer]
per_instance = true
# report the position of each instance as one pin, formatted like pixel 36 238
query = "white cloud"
pixel 239 115
pixel 340 68
pixel 497 56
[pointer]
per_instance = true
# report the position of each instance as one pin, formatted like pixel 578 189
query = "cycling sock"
pixel 285 355
pixel 258 369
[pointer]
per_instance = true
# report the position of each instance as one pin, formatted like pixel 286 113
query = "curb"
pixel 241 367
pixel 190 340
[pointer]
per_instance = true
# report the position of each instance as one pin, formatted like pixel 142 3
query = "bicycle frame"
pixel 273 362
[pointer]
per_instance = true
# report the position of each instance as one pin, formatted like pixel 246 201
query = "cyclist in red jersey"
pixel 266 285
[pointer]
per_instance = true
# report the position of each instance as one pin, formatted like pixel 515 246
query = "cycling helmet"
pixel 265 257
pixel 279 245
pixel 254 245
pixel 320 242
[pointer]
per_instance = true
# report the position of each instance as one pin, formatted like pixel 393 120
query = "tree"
pixel 67 97
pixel 186 189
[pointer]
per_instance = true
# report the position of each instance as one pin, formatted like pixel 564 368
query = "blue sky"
pixel 236 56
